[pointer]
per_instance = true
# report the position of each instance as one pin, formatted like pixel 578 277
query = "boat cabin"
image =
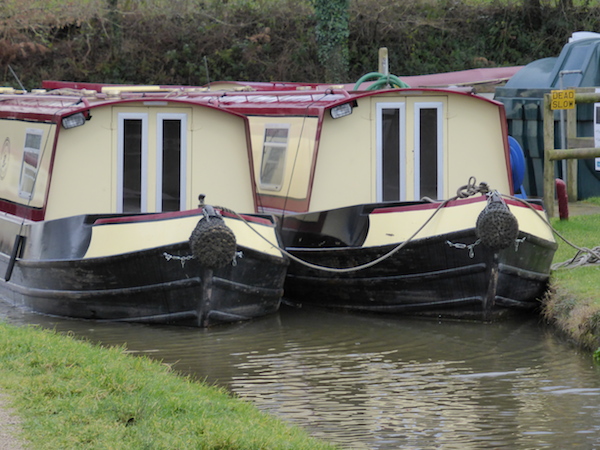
pixel 311 147
pixel 76 150
pixel 317 149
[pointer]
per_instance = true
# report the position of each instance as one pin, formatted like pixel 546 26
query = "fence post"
pixel 572 163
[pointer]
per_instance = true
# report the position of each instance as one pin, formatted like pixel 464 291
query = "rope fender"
pixel 496 226
pixel 212 242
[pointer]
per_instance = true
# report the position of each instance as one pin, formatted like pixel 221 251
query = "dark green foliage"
pixel 332 34
pixel 284 40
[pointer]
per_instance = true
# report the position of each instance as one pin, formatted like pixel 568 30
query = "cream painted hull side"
pixel 391 228
pixel 119 238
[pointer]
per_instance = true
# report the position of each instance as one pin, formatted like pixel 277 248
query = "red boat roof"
pixel 62 98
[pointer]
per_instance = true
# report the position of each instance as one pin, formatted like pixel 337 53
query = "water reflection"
pixel 375 383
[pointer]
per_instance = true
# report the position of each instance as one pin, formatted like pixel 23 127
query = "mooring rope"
pixel 468 190
pixel 584 256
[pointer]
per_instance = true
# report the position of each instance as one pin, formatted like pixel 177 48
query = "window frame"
pixel 401 107
pixel 122 117
pixel 26 166
pixel 439 107
pixel 160 119
pixel 281 161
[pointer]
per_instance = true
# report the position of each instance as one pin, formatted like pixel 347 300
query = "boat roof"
pixel 51 103
pixel 58 99
pixel 469 77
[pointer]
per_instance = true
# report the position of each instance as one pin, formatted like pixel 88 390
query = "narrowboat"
pixel 404 200
pixel 103 213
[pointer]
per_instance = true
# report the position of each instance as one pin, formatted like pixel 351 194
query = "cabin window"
pixel 272 165
pixel 171 162
pixel 30 163
pixel 132 150
pixel 390 151
pixel 428 150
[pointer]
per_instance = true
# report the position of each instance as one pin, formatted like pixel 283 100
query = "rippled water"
pixel 382 383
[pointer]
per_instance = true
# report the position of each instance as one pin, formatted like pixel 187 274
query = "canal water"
pixel 369 382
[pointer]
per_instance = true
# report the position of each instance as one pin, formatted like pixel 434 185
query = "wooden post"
pixel 572 163
pixel 574 153
pixel 384 62
pixel 548 116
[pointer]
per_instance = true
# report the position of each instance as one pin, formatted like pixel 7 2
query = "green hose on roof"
pixel 382 81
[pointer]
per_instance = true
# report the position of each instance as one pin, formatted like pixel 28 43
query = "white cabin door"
pixel 410 149
pixel 152 154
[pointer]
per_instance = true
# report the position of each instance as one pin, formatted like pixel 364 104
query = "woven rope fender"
pixel 212 242
pixel 496 226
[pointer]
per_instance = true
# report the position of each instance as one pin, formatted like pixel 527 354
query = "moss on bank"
pixel 72 394
pixel 577 318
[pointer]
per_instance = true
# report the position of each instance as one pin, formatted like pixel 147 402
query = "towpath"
pixel 9 427
pixel 580 208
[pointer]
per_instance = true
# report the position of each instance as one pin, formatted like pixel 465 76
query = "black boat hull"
pixel 436 276
pixel 160 285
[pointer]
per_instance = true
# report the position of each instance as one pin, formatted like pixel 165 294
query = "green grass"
pixel 72 395
pixel 582 231
pixel 574 304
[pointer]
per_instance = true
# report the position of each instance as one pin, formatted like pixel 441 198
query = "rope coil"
pixel 583 257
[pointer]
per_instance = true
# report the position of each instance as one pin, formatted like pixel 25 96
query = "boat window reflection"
pixel 273 157
pixel 29 165
pixel 171 165
pixel 132 165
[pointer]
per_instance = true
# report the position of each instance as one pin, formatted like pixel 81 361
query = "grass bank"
pixel 72 394
pixel 573 303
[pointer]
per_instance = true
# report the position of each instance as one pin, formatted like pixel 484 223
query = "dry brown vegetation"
pixel 577 318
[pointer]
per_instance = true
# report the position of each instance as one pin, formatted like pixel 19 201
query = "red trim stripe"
pixel 151 217
pixel 453 203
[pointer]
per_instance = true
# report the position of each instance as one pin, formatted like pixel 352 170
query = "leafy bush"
pixel 126 41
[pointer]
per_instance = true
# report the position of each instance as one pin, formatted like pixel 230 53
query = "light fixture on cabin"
pixel 341 110
pixel 74 120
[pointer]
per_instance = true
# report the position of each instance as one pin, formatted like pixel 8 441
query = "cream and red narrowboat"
pixel 379 205
pixel 99 210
